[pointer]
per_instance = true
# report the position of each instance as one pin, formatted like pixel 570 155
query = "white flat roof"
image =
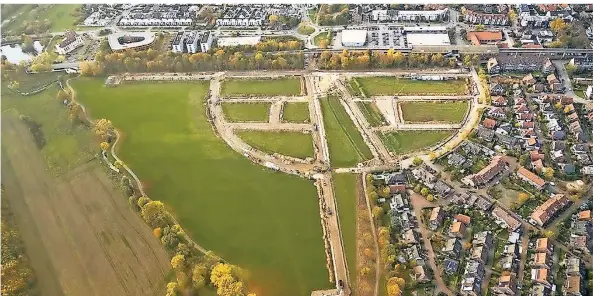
pixel 115 45
pixel 424 29
pixel 354 36
pixel 428 39
pixel 234 41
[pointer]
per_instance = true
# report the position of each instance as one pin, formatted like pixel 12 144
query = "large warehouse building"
pixel 426 36
pixel 353 38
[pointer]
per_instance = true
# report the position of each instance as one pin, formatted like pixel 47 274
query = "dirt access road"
pixel 84 236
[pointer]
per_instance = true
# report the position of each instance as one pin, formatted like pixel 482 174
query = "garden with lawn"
pixel 449 112
pixel 290 86
pixel 296 112
pixel 261 220
pixel 402 142
pixel 372 113
pixel 246 112
pixel 386 86
pixel 346 146
pixel 294 144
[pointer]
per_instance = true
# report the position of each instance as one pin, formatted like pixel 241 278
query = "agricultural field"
pixel 346 146
pixel 80 232
pixel 402 142
pixel 290 86
pixel 372 113
pixel 64 146
pixel 61 16
pixel 346 198
pixel 450 112
pixel 244 112
pixel 222 200
pixel 385 86
pixel 295 144
pixel 295 112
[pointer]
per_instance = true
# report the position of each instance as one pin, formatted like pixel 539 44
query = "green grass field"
pixel 305 29
pixel 409 141
pixel 345 191
pixel 451 112
pixel 261 87
pixel 62 152
pixel 295 112
pixel 293 144
pixel 59 15
pixel 346 146
pixel 258 219
pixel 380 86
pixel 372 113
pixel 30 82
pixel 323 35
pixel 241 112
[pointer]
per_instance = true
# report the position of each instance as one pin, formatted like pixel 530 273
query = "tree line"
pixel 375 59
pixel 154 61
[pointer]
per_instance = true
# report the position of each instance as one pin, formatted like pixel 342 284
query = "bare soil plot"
pixel 94 242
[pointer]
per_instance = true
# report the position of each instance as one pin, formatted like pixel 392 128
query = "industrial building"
pixel 354 38
pixel 415 36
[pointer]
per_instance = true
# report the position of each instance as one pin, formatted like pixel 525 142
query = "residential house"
pixel 489 123
pixel 531 178
pixel 541 260
pixel 535 155
pixel 540 276
pixel 479 253
pixel 436 218
pixel 511 223
pixel 398 203
pixel 499 101
pixel 537 165
pixel 548 67
pixel 540 290
pixel 483 238
pixel 551 79
pixel 512 250
pixel 419 274
pixel 581 243
pixel 557 135
pixel 485 134
pixel 582 63
pixel 457 230
pixel 506 285
pixel 584 215
pixel 573 286
pixel 410 237
pixel 497 165
pixel 528 80
pixel 508 263
pixel 463 219
pixel 483 203
pixel 442 188
pixel 542 245
pixel 451 265
pixel 573 265
pixel 496 89
pixel 497 112
pixel 493 66
pixel 456 159
pixel 549 209
pixel 452 248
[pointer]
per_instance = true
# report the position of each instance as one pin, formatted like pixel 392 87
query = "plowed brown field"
pixel 86 239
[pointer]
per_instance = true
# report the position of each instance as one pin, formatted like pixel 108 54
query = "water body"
pixel 14 53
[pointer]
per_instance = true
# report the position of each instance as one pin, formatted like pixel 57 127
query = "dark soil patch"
pixel 36 131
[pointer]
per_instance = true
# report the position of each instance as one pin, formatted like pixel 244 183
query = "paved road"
pixel 417 98
pixel 559 64
pixel 270 126
pixel 275 110
pixel 265 99
pixel 419 203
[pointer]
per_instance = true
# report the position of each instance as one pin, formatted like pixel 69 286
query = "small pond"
pixel 15 54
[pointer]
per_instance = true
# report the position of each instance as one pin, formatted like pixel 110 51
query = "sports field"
pixel 450 112
pixel 258 219
pixel 346 145
pixel 385 86
pixel 295 144
pixel 290 86
pixel 372 113
pixel 295 112
pixel 243 112
pixel 345 191
pixel 409 141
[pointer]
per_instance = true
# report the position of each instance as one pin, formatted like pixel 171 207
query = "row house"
pixel 549 209
pixel 490 19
